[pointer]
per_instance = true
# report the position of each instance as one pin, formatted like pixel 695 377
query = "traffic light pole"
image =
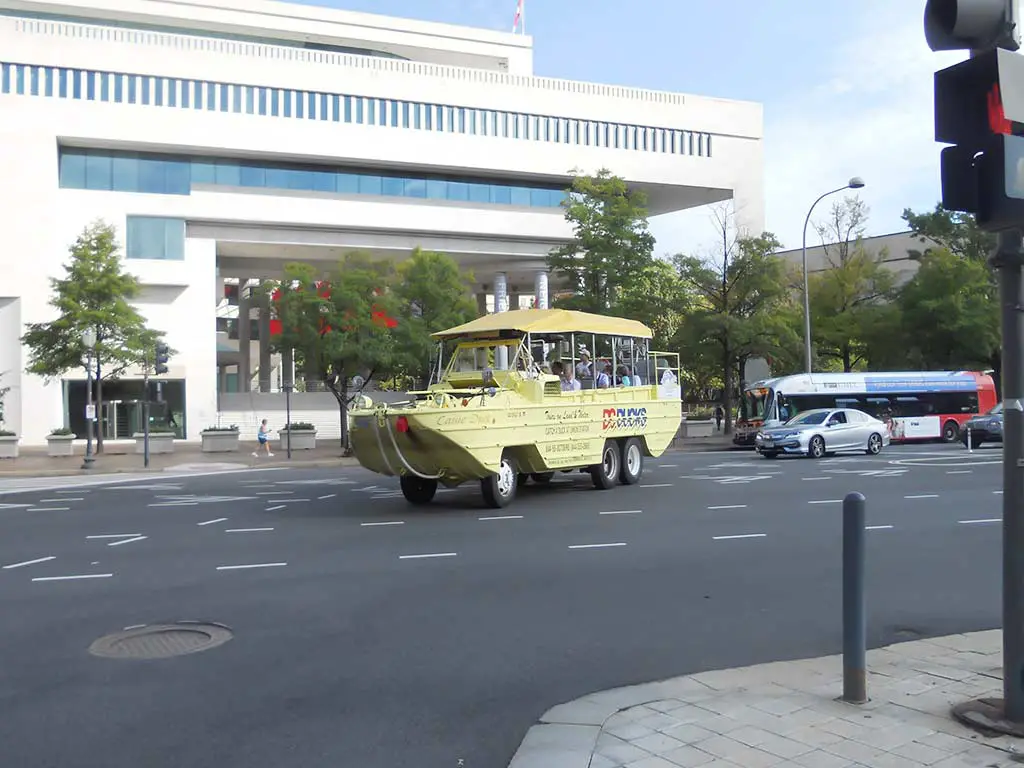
pixel 1008 260
pixel 145 415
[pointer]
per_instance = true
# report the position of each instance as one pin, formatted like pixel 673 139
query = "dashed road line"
pixel 126 541
pixel 77 490
pixel 812 479
pixel 877 527
pixel 740 536
pixel 326 496
pixel 61 500
pixel 623 512
pixel 979 522
pixel 729 506
pixel 657 485
pixel 274 509
pixel 423 557
pixel 388 522
pixel 922 496
pixel 826 501
pixel 174 504
pixel 959 471
pixel 251 565
pixel 668 466
pixel 246 530
pixel 113 536
pixel 30 562
pixel 73 578
pixel 597 546
pixel 998 493
pixel 49 509
pixel 501 517
pixel 211 522
pixel 272 493
pixel 285 501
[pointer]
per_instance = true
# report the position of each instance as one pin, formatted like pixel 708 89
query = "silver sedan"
pixel 821 431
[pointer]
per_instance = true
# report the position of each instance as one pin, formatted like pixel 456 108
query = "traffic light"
pixel 163 354
pixel 979 109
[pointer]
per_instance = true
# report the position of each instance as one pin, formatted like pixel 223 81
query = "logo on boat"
pixel 624 418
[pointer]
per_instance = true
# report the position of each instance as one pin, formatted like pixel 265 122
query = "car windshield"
pixel 808 417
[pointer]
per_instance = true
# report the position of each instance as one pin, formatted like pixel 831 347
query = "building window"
pixel 151 237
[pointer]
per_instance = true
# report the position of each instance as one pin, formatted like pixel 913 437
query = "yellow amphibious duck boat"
pixel 497 414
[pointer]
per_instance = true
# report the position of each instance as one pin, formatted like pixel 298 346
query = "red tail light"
pixel 402 424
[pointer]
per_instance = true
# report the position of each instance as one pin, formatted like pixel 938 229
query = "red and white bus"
pixel 917 405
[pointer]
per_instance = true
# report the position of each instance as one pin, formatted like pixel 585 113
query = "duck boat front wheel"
pixel 500 489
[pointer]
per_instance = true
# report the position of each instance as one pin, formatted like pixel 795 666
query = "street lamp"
pixel 89 342
pixel 855 183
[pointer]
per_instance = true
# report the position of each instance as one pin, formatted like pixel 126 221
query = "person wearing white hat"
pixel 583 369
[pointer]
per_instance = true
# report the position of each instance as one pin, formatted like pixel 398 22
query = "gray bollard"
pixel 970 444
pixel 854 622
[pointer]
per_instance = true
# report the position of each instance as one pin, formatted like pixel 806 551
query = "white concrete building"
pixel 224 137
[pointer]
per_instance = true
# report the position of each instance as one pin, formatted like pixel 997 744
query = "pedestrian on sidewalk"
pixel 719 415
pixel 264 439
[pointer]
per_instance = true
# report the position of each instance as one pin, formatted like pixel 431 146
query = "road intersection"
pixel 368 632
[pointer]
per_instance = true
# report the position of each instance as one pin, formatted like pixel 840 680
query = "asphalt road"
pixel 371 634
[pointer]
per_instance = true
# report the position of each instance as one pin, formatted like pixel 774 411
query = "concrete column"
pixel 500 292
pixel 244 340
pixel 540 289
pixel 266 366
pixel 481 304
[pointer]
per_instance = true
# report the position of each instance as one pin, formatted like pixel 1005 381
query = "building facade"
pixel 225 138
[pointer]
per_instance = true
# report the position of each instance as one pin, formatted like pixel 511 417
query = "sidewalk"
pixel 787 713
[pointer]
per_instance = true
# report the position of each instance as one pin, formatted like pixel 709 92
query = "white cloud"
pixel 866 111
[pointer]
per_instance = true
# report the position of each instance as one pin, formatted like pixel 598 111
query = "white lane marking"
pixel 284 501
pixel 923 496
pixel 741 536
pixel 49 509
pixel 246 530
pixel 174 504
pixel 273 493
pixel 367 488
pixel 113 536
pixel 668 466
pixel 80 490
pixel 730 506
pixel 976 522
pixel 624 512
pixel 597 546
pixel 14 506
pixel 826 501
pixel 505 517
pixel 421 557
pixel 389 522
pixel 877 527
pixel 998 493
pixel 61 500
pixel 70 578
pixel 326 496
pixel 811 479
pixel 657 485
pixel 126 541
pixel 254 565
pixel 273 509
pixel 30 562
pixel 211 522
pixel 959 472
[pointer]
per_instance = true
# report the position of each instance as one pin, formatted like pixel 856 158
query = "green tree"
pixel 611 243
pixel 95 293
pixel 742 308
pixel 848 296
pixel 950 312
pixel 659 299
pixel 956 232
pixel 3 394
pixel 342 327
pixel 434 294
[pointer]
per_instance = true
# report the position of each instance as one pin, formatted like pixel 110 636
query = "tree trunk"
pixel 728 372
pixel 99 408
pixel 346 447
pixel 847 359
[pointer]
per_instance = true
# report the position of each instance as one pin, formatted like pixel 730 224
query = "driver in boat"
pixel 569 382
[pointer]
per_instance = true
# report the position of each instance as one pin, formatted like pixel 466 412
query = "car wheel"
pixel 500 489
pixel 874 444
pixel 816 449
pixel 950 431
pixel 417 490
pixel 606 474
pixel 632 461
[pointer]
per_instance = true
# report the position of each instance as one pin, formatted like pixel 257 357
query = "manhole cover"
pixel 161 641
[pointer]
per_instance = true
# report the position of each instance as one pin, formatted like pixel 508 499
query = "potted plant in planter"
pixel 699 424
pixel 8 444
pixel 161 440
pixel 303 436
pixel 59 442
pixel 220 439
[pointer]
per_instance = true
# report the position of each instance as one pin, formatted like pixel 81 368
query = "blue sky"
pixel 846 86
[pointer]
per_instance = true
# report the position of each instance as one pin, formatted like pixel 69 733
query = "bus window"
pixel 755 401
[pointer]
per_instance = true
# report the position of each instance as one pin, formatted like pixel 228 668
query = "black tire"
pixel 816 448
pixel 417 490
pixel 874 444
pixel 499 490
pixel 542 478
pixel 770 454
pixel 950 431
pixel 606 474
pixel 632 461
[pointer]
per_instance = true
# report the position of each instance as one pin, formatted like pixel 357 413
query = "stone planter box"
pixel 9 447
pixel 60 445
pixel 704 428
pixel 159 442
pixel 302 439
pixel 219 442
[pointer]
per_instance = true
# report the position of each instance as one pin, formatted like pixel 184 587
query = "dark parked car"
pixel 984 428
